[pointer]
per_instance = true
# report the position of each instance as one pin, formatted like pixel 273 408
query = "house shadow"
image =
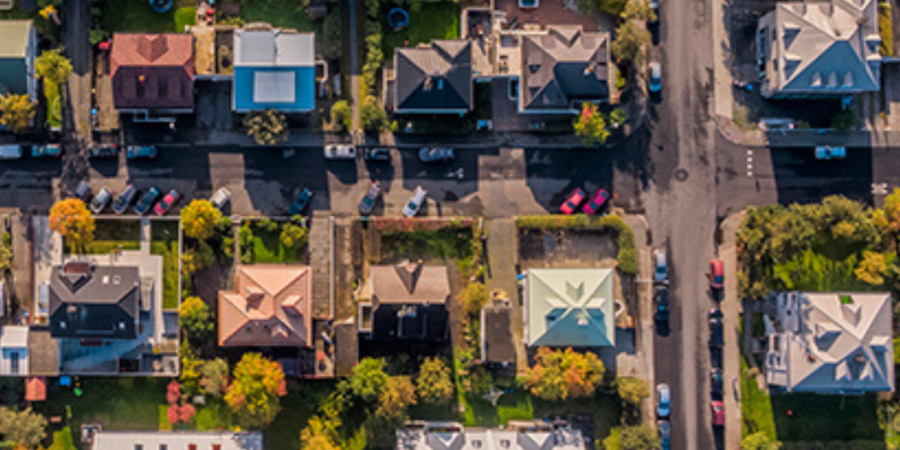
pixel 589 170
pixel 445 182
pixel 801 178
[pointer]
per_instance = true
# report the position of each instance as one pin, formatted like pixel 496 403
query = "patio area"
pixel 549 12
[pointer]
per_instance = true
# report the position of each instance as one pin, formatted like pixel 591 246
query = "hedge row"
pixel 627 255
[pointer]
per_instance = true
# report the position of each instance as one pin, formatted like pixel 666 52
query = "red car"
pixel 718 413
pixel 573 201
pixel 166 203
pixel 716 274
pixel 596 202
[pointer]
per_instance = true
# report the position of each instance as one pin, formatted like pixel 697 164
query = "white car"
pixel 100 200
pixel 220 198
pixel 415 202
pixel 664 400
pixel 342 151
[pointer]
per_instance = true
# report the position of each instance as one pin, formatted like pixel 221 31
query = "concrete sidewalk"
pixel 731 308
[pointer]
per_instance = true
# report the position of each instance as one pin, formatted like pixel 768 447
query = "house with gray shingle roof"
pixel 434 79
pixel 516 435
pixel 819 49
pixel 18 49
pixel 830 343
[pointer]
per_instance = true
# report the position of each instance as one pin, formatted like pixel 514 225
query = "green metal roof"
pixel 14 35
pixel 570 308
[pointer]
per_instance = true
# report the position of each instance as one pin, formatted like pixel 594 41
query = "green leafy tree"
pixel 24 428
pixel 617 117
pixel 196 258
pixel 5 257
pixel 16 112
pixel 396 396
pixel 255 391
pixel 267 127
pixel 640 437
pixel 590 126
pixel 368 378
pixel 214 377
pixel 294 236
pixel 631 39
pixel 331 47
pixel 316 436
pixel 611 7
pixel 372 115
pixel 759 441
pixel 638 10
pixel 195 319
pixel 200 219
pixel 72 219
pixel 434 384
pixel 871 269
pixel 632 390
pixel 53 67
pixel 561 375
pixel 341 114
pixel 473 297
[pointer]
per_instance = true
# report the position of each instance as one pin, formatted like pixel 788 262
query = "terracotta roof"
pixel 269 307
pixel 152 71
pixel 35 389
pixel 409 284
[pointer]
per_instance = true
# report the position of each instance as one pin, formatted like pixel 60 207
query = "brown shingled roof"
pixel 152 71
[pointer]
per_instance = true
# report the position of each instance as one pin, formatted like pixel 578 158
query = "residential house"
pixel 273 69
pixel 270 307
pixel 409 302
pixel 498 348
pixel 516 435
pixel 830 343
pixel 181 440
pixel 434 78
pixel 817 49
pixel 152 73
pixel 94 302
pixel 569 308
pixel 14 347
pixel 18 50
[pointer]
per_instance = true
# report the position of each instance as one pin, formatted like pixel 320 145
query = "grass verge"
pixel 164 242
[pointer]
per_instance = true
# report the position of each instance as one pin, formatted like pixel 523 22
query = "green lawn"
pixel 297 407
pixel 817 272
pixel 516 405
pixel 278 13
pixel 185 16
pixel 164 241
pixel 826 417
pixel 427 21
pixel 62 440
pixel 109 235
pixel 137 16
pixel 268 248
pixel 756 406
pixel 445 243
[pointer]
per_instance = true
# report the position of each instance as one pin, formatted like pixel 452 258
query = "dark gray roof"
pixel 497 338
pixel 94 301
pixel 438 77
pixel 564 66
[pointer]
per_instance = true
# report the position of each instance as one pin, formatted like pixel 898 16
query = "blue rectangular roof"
pixel 286 89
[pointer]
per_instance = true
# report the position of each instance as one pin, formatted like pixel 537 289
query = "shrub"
pixel 474 297
pixel 245 242
pixel 266 224
pixel 341 114
pixel 293 236
pixel 844 120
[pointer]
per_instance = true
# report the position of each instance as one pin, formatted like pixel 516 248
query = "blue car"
pixel 140 152
pixel 665 429
pixel 46 151
pixel 655 78
pixel 664 399
pixel 147 201
pixel 301 203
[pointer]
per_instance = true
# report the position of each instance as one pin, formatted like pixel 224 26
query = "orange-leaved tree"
pixel 72 219
pixel 561 375
pixel 254 394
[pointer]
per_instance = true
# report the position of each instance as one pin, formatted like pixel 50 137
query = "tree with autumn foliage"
pixel 199 219
pixel 434 384
pixel 590 126
pixel 72 219
pixel 316 436
pixel 255 391
pixel 16 112
pixel 396 396
pixel 561 375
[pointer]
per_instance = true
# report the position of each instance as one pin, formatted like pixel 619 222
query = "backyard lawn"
pixel 427 21
pixel 278 13
pixel 818 272
pixel 443 244
pixel 826 418
pixel 297 407
pixel 137 16
pixel 267 246
pixel 109 235
pixel 756 406
pixel 164 241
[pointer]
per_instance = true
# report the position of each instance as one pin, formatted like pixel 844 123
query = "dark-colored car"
pixel 103 151
pixel 573 201
pixel 83 191
pixel 125 199
pixel 716 384
pixel 368 202
pixel 377 154
pixel 596 202
pixel 46 151
pixel 718 413
pixel 167 202
pixel 301 202
pixel 147 200
pixel 665 430
pixel 715 357
pixel 716 332
pixel 716 274
pixel 661 295
pixel 436 155
pixel 140 152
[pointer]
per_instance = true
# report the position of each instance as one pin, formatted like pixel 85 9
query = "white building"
pixel 151 440
pixel 14 346
pixel 516 436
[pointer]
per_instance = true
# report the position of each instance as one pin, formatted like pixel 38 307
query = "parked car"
pixel 140 152
pixel 341 151
pixel 377 154
pixel 10 151
pixel 661 275
pixel 415 202
pixel 147 200
pixel 46 151
pixel 716 384
pixel 715 357
pixel 436 155
pixel 101 200
pixel 83 191
pixel 125 199
pixel 654 5
pixel 828 152
pixel 221 198
pixel 663 400
pixel 718 413
pixel 103 151
pixel 655 78
pixel 716 331
pixel 596 202
pixel 716 274
pixel 665 429
pixel 661 295
pixel 573 201
pixel 301 202
pixel 368 202
pixel 661 317
pixel 167 202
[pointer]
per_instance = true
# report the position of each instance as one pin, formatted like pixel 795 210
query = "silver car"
pixel 415 202
pixel 220 198
pixel 98 204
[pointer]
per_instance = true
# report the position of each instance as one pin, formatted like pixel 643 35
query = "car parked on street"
pixel 147 200
pixel 301 202
pixel 10 151
pixel 377 154
pixel 436 155
pixel 103 151
pixel 715 357
pixel 367 204
pixel 221 198
pixel 661 274
pixel 46 151
pixel 573 201
pixel 716 329
pixel 140 152
pixel 415 202
pixel 655 85
pixel 718 413
pixel 167 202
pixel 83 191
pixel 596 202
pixel 665 430
pixel 125 199
pixel 340 151
pixel 826 152
pixel 663 400
pixel 716 274
pixel 99 202
pixel 716 384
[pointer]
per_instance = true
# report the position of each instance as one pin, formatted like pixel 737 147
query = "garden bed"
pixel 164 242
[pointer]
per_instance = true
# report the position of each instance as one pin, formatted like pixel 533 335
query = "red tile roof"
pixel 152 71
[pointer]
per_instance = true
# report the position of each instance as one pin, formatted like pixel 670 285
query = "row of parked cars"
pixel 426 154
pixel 141 201
pixel 132 152
pixel 661 316
pixel 716 342
pixel 575 200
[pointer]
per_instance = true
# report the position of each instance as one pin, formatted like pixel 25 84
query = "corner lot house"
pixel 434 79
pixel 819 49
pixel 517 435
pixel 569 308
pixel 273 69
pixel 270 307
pixel 18 50
pixel 188 440
pixel 409 303
pixel 831 343
pixel 152 73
